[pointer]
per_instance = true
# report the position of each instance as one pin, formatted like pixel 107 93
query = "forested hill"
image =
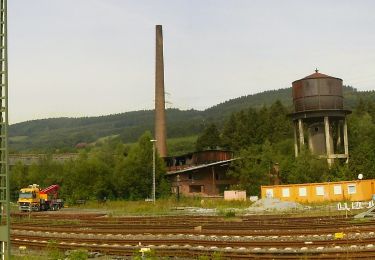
pixel 284 95
pixel 64 133
pixel 258 100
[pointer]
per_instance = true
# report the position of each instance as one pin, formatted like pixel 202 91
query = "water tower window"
pixel 316 129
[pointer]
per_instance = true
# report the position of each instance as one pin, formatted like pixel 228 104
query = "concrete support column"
pixel 338 135
pixel 295 140
pixel 301 135
pixel 346 145
pixel 328 138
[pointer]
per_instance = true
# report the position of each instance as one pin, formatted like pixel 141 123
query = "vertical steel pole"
pixel 4 166
pixel 153 171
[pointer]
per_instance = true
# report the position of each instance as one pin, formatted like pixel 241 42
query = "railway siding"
pixel 261 237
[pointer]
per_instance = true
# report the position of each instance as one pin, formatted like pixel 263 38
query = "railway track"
pixel 222 241
pixel 194 252
pixel 241 238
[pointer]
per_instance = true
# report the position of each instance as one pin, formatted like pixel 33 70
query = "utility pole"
pixel 4 166
pixel 153 170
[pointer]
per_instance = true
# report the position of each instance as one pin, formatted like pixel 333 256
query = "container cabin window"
pixel 269 193
pixel 337 190
pixel 285 192
pixel 351 189
pixel 319 190
pixel 302 191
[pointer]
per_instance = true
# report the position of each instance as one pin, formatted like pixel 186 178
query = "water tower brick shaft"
pixel 160 122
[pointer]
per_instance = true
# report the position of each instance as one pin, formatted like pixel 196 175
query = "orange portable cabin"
pixel 358 190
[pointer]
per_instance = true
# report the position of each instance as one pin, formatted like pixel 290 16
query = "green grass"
pixel 28 257
pixel 178 145
pixel 102 140
pixel 18 138
pixel 163 206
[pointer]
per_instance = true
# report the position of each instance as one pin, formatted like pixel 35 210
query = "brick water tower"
pixel 319 117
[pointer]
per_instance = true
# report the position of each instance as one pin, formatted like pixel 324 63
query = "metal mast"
pixel 4 167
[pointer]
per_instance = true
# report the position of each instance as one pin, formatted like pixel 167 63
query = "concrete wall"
pixel 358 190
pixel 29 159
pixel 234 195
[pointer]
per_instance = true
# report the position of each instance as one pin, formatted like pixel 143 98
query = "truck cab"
pixel 29 198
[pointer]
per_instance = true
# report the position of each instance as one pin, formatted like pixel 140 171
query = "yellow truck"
pixel 33 198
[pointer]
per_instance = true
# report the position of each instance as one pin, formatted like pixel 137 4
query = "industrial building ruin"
pixel 320 116
pixel 203 173
pixel 160 125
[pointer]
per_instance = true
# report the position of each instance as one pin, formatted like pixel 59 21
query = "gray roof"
pixel 201 166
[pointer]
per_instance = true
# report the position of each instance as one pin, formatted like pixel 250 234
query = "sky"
pixel 77 58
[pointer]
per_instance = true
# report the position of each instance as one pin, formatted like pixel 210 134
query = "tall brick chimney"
pixel 160 123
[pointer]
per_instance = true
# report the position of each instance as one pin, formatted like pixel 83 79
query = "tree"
pixel 210 139
pixel 362 146
pixel 91 175
pixel 253 167
pixel 306 168
pixel 134 173
pixel 18 179
pixel 279 124
pixel 229 131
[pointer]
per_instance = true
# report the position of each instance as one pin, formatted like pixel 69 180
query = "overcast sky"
pixel 75 58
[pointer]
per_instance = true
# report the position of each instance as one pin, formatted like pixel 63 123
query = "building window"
pixel 269 193
pixel 351 189
pixel 222 188
pixel 337 190
pixel 302 191
pixel 319 190
pixel 285 192
pixel 195 188
pixel 221 176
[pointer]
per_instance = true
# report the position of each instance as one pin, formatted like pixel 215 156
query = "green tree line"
pixel 111 171
pixel 264 137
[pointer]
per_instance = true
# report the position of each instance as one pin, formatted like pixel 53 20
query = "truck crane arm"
pixel 51 189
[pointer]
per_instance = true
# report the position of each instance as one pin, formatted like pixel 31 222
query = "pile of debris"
pixel 272 204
